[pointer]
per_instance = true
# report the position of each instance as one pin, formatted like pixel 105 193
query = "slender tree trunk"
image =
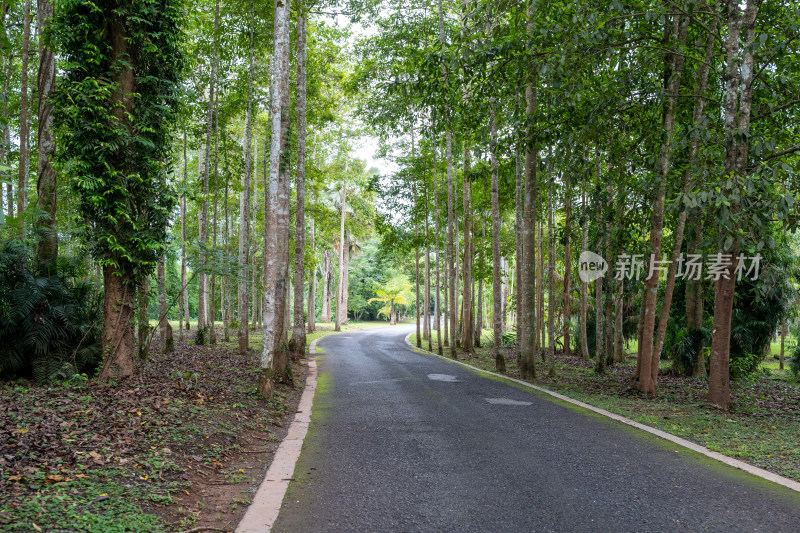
pixel 312 283
pixel 527 280
pixel 327 285
pixel 783 342
pixel 648 366
pixel 5 137
pixel 541 340
pixel 426 313
pixel 468 343
pixel 165 329
pixel 143 324
pixel 212 336
pixel 47 250
pixel 24 155
pixel 737 109
pixel 299 331
pixel 695 305
pixel 438 306
pixel 518 238
pixel 702 77
pixel 450 300
pixel 599 342
pixel 497 316
pixel 342 271
pixel 184 297
pixel 346 291
pixel 567 300
pixel 551 275
pixel 244 210
pixel 416 283
pixel 584 285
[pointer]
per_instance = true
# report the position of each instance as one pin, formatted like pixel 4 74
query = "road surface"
pixel 404 441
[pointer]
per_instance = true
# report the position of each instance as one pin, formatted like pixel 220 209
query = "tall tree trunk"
pixel 5 137
pixel 567 300
pixel 274 277
pixel 299 331
pixel 737 109
pixel 527 280
pixel 426 312
pixel 342 268
pixel 327 285
pixel 695 305
pixel 437 305
pixel 551 274
pixel 164 327
pixel 697 115
pixel 599 342
pixel 346 291
pixel 118 333
pixel 468 341
pixel 184 296
pixel 212 337
pixel 497 312
pixel 142 302
pixel 783 342
pixel 519 200
pixel 648 366
pixel 541 340
pixel 451 305
pixel 416 285
pixel 584 284
pixel 47 250
pixel 24 155
pixel 244 209
pixel 312 284
pixel 227 308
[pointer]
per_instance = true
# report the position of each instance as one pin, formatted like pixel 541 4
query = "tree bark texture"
pixel 274 286
pixel 299 331
pixel 47 248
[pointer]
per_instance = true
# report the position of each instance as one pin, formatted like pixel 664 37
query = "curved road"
pixel 403 441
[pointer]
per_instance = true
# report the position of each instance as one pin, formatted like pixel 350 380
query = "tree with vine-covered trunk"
pixel 115 109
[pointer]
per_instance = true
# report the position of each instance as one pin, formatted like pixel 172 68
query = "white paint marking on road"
pixel 263 512
pixel 702 450
pixel 506 401
pixel 379 381
pixel 443 377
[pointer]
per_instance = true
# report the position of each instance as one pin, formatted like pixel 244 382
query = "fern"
pixel 49 329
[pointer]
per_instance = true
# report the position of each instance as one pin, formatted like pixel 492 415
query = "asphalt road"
pixel 402 441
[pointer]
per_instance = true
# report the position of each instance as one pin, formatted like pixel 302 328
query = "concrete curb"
pixel 266 505
pixel 741 465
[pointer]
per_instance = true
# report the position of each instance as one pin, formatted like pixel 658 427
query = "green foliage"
pixel 116 146
pixel 794 363
pixel 509 339
pixel 49 327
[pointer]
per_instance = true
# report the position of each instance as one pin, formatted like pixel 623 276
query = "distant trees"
pixel 553 101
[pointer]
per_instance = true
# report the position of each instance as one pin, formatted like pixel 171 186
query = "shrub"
pixel 49 328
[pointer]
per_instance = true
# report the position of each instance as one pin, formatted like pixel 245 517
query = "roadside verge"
pixel 266 505
pixel 741 465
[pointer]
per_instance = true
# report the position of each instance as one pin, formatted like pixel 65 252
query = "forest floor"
pixel 762 428
pixel 184 444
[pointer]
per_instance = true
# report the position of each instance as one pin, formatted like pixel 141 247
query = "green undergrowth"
pixel 762 428
pixel 85 456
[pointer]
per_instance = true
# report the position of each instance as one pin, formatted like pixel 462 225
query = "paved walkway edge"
pixel 266 505
pixel 741 465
